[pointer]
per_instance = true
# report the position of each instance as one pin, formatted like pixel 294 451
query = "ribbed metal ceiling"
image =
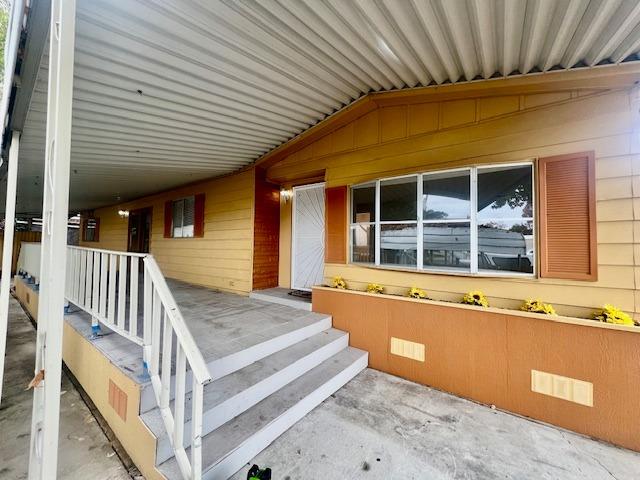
pixel 169 91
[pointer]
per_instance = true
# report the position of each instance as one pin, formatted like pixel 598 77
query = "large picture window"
pixel 470 220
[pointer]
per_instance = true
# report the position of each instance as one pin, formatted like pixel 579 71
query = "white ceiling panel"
pixel 167 92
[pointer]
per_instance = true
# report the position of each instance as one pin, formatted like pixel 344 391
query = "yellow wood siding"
pixel 426 136
pixel 221 259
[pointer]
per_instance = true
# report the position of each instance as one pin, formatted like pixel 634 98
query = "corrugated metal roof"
pixel 171 91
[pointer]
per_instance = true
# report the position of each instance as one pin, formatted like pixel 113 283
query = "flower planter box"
pixel 488 355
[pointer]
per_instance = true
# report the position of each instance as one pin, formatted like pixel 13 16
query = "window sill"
pixel 450 272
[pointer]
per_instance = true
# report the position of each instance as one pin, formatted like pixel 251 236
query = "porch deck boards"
pixel 221 323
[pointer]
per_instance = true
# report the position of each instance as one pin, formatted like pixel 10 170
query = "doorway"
pixel 307 249
pixel 139 230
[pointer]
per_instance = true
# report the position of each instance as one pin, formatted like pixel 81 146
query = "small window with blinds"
pixel 183 217
pixel 91 230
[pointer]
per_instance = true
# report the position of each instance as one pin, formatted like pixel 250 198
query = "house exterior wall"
pixel 222 258
pixel 401 136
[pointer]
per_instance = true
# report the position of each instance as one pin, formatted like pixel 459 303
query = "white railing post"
pixel 43 456
pixel 133 296
pixel 196 428
pixel 7 249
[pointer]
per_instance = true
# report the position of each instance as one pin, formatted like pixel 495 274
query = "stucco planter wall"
pixel 488 355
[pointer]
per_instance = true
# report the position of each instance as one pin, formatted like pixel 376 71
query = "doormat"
pixel 300 294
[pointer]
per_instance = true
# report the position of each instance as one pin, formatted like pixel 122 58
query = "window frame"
pixel 420 222
pixel 173 226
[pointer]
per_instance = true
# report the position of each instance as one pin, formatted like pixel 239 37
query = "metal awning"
pixel 167 92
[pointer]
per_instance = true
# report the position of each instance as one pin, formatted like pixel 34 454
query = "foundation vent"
pixel 407 349
pixel 570 389
pixel 118 400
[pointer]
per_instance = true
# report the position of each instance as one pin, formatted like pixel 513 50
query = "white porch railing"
pixel 105 284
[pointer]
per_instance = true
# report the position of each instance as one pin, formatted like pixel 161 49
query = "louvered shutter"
pixel 168 218
pixel 336 225
pixel 567 213
pixel 198 220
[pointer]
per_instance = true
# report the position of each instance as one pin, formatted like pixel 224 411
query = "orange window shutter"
pixel 336 225
pixel 567 219
pixel 168 218
pixel 198 216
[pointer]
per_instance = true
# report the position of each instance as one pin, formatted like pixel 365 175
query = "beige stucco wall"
pixel 94 371
pixel 222 258
pixel 415 137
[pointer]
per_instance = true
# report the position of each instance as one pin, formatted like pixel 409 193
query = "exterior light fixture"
pixel 123 213
pixel 286 194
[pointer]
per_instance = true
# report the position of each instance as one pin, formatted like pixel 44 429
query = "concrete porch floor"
pixel 222 324
pixel 383 427
pixel 84 451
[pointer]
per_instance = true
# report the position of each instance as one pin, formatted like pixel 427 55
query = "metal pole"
pixel 7 249
pixel 43 456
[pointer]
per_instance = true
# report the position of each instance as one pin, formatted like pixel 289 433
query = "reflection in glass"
pixel 364 203
pixel 446 196
pixel 398 199
pixel 447 245
pixel 505 192
pixel 506 245
pixel 398 244
pixel 363 244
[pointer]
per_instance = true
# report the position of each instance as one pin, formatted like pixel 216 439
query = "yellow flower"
pixel 611 314
pixel 536 306
pixel 416 292
pixel 375 288
pixel 475 298
pixel 339 283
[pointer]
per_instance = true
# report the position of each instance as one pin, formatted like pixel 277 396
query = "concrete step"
pixel 258 346
pixel 281 296
pixel 229 447
pixel 229 396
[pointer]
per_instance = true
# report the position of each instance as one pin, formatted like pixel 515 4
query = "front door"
pixel 307 256
pixel 139 230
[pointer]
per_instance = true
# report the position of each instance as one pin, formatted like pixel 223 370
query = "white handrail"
pixel 104 283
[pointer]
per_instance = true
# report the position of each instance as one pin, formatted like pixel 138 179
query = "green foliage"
pixel 4 19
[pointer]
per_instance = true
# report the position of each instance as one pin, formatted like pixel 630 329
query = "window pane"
pixel 398 199
pixel 178 208
pixel 506 245
pixel 90 230
pixel 446 196
pixel 364 204
pixel 505 192
pixel 363 244
pixel 188 216
pixel 398 244
pixel 447 245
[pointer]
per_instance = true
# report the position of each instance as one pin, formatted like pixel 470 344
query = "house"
pixel 521 186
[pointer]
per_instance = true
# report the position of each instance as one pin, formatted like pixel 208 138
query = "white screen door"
pixel 307 256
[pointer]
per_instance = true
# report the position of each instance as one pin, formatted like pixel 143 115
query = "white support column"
pixel 43 458
pixel 7 249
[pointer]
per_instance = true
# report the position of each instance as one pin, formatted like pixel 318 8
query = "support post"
pixel 7 249
pixel 43 455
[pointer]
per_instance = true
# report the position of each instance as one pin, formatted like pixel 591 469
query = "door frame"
pixel 293 229
pixel 139 211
